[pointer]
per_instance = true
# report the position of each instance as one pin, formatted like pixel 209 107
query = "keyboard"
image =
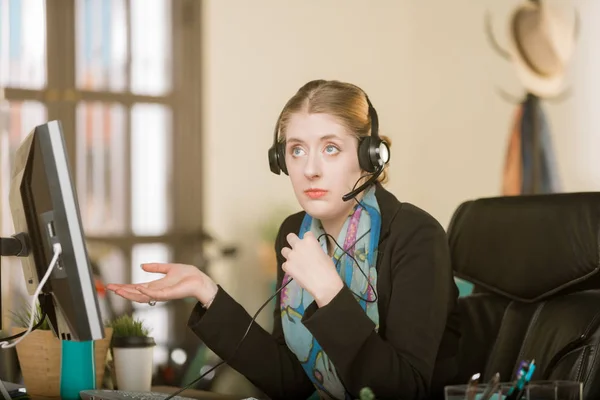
pixel 128 395
pixel 125 395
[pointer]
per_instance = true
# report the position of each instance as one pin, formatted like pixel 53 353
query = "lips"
pixel 315 193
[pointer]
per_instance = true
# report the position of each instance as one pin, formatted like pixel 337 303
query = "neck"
pixel 334 226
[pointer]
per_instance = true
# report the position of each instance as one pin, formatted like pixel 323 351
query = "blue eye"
pixel 297 151
pixel 331 149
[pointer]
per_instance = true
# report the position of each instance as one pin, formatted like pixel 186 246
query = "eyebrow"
pixel 324 138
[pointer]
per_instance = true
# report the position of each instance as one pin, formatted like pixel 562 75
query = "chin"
pixel 323 209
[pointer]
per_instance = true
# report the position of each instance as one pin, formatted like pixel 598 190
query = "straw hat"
pixel 542 39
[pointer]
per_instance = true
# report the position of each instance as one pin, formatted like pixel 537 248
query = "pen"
pixel 523 377
pixel 491 387
pixel 520 374
pixel 526 380
pixel 472 386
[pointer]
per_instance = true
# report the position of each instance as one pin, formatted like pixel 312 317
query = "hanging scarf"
pixel 364 226
pixel 521 160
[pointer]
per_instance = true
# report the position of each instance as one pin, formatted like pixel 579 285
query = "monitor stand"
pixel 14 246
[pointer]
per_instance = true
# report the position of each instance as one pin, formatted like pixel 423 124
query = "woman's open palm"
pixel 180 281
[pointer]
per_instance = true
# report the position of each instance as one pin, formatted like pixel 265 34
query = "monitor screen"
pixel 44 207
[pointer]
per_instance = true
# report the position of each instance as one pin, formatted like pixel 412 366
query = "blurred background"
pixel 169 106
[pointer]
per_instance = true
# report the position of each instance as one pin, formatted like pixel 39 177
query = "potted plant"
pixel 133 353
pixel 40 354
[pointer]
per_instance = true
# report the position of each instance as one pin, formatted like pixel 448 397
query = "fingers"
pixel 295 241
pixel 157 284
pixel 310 237
pixel 162 294
pixel 130 291
pixel 157 267
pixel 116 286
pixel 113 286
pixel 292 239
pixel 133 295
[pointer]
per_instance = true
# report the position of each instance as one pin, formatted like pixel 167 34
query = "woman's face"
pixel 322 162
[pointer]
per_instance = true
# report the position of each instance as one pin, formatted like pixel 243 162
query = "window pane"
pixel 101 44
pixel 150 169
pixel 147 253
pixel 23 43
pixel 16 121
pixel 151 47
pixel 101 167
pixel 109 266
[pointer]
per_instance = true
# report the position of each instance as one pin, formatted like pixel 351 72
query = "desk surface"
pixel 195 394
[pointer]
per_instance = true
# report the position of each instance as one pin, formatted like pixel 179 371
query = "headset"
pixel 373 153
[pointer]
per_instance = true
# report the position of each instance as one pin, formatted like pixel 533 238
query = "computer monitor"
pixel 45 211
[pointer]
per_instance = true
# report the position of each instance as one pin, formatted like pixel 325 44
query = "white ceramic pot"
pixel 133 361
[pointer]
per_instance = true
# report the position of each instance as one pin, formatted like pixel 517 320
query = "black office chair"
pixel 534 261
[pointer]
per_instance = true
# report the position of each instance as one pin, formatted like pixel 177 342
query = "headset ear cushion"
pixel 364 156
pixel 273 163
pixel 281 157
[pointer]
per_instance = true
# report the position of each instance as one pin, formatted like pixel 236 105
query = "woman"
pixel 377 313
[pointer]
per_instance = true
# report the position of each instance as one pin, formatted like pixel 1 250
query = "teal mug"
pixel 77 370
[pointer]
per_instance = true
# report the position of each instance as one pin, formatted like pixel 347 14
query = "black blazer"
pixel 418 325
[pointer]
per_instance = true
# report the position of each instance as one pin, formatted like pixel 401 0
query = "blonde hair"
pixel 344 101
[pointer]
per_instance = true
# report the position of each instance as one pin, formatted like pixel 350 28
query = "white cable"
pixel 57 251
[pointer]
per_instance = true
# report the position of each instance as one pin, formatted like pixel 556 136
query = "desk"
pixel 195 394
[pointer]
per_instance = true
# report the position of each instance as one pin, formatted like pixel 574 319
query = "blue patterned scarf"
pixel 363 225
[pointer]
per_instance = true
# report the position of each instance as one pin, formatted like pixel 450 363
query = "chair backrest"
pixel 535 263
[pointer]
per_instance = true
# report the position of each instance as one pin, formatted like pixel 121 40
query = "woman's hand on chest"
pixel 311 268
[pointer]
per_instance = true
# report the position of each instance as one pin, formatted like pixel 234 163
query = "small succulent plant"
pixel 366 394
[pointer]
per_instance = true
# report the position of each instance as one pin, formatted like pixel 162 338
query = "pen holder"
pixel 535 390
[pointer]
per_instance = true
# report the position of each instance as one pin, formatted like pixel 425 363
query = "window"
pixel 125 110
pixel 23 43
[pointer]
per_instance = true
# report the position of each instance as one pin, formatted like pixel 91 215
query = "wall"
pixel 430 73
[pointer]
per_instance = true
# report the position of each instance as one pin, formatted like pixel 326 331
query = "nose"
pixel 312 168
